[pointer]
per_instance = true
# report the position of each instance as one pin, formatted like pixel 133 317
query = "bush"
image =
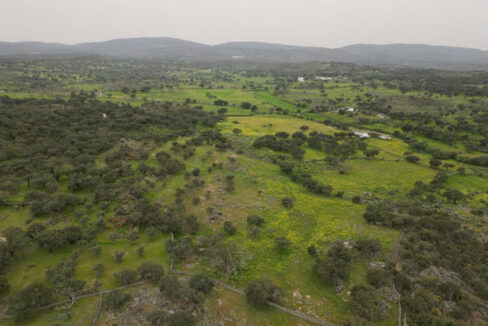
pixel 378 277
pixel 4 286
pixel 98 269
pixel 255 220
pixel 179 249
pixel 171 287
pixel 119 254
pixel 201 283
pixel 33 296
pixel 125 277
pixel 450 291
pixel 157 318
pixel 312 251
pixel 181 318
pixel 368 247
pixel 287 202
pixel 337 266
pixel 282 243
pixel 97 251
pixel 254 232
pixel 365 303
pixel 260 291
pixel 115 300
pixel 412 158
pixel 229 228
pixel 150 271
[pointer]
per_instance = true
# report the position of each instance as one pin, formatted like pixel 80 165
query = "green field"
pixel 170 107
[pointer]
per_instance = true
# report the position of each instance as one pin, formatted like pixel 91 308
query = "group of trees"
pixel 281 142
pixel 434 240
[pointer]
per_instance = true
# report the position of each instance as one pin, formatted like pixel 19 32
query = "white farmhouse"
pixel 361 134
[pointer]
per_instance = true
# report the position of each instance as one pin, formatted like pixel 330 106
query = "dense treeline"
pixel 444 263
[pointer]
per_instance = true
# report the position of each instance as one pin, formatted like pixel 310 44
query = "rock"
pixel 448 306
pixel 340 287
pixel 441 274
pixel 389 294
pixel 377 264
pixel 483 309
pixel 308 300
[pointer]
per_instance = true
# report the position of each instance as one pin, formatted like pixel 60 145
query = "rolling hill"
pixel 415 55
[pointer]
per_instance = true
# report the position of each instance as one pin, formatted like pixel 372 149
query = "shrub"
pixel 115 300
pixel 97 251
pixel 181 318
pixel 150 271
pixel 254 232
pixel 157 318
pixel 180 248
pixel 336 267
pixel 4 286
pixel 140 251
pixel 312 251
pixel 378 277
pixel 229 228
pixel 33 296
pixel 282 243
pixel 287 202
pixel 119 255
pixel 170 287
pixel 365 303
pixel 368 247
pixel 125 277
pixel 98 269
pixel 255 220
pixel 260 291
pixel 412 158
pixel 201 283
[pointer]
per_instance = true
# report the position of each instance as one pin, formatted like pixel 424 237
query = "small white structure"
pixel 361 134
pixel 385 137
pixel 322 78
pixel 350 109
pixel 301 79
pixel 104 115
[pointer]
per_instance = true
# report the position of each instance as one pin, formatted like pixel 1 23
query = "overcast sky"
pixel 328 23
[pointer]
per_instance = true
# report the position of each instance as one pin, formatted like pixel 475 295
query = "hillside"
pixel 169 48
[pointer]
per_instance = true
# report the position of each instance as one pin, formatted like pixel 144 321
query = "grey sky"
pixel 328 23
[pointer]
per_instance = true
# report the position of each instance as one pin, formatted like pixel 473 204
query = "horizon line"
pixel 256 42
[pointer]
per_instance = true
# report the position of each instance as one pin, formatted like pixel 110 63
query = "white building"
pixel 350 109
pixel 361 134
pixel 301 79
pixel 322 78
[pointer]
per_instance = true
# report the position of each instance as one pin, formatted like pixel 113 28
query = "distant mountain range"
pixel 415 55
